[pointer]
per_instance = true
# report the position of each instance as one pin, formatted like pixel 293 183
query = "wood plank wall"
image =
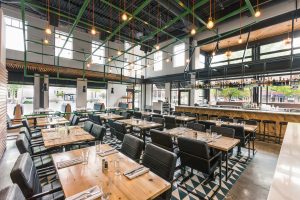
pixel 3 87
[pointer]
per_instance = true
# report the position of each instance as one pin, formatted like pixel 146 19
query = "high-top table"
pixel 59 137
pixel 224 144
pixel 77 178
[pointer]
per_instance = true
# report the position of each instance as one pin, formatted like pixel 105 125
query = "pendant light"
pixel 46 41
pixel 228 52
pixel 93 30
pixel 288 40
pixel 210 24
pixel 88 65
pixel 157 47
pixel 48 28
pixel 193 30
pixel 124 16
pixel 257 11
pixel 240 40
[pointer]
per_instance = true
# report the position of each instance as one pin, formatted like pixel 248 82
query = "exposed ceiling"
pixel 267 32
pixel 157 14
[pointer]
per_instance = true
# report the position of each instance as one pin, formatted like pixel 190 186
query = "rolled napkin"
pixel 89 194
pixel 218 136
pixel 107 152
pixel 68 163
pixel 137 171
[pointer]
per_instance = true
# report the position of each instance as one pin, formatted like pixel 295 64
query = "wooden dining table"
pixel 50 121
pixel 146 113
pixel 59 137
pixel 107 116
pixel 143 125
pixel 224 144
pixel 247 127
pixel 80 177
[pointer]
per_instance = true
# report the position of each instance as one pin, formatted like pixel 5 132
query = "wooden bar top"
pixel 286 180
pixel 77 178
pixel 222 143
pixel 59 137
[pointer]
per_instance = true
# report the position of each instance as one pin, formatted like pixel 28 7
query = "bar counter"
pixel 286 180
pixel 277 116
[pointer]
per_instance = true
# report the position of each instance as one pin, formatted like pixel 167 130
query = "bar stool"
pixel 281 124
pixel 213 117
pixel 268 125
pixel 259 127
pixel 203 116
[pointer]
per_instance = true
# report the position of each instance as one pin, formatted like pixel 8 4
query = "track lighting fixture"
pixel 124 17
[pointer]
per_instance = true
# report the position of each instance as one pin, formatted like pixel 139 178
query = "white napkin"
pixel 89 194
pixel 108 152
pixel 68 163
pixel 133 173
pixel 218 136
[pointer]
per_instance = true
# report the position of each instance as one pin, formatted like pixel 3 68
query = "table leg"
pixel 144 136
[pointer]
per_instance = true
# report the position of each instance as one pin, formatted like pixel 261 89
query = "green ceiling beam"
pixel 137 11
pixel 171 22
pixel 24 36
pixel 139 19
pixel 250 7
pixel 81 11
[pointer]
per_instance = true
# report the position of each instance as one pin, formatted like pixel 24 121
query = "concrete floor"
pixel 253 184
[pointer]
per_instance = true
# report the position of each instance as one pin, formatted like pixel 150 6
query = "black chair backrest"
pixel 160 161
pixel 71 118
pixel 190 125
pixel 26 125
pixel 251 122
pixel 23 144
pixel 132 147
pixel 207 124
pixel 75 120
pixel 157 111
pixel 119 130
pixel 98 132
pixel 12 192
pixel 88 125
pixel 158 120
pixel 126 115
pixel 177 113
pixel 190 114
pixel 24 130
pixel 194 154
pixel 147 118
pixel 224 131
pixel 170 122
pixel 97 119
pixel 90 116
pixel 227 120
pixel 137 115
pixel 239 131
pixel 161 139
pixel 157 115
pixel 222 117
pixel 24 174
pixel 199 127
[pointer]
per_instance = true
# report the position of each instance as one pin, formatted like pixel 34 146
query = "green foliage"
pixel 285 90
pixel 229 93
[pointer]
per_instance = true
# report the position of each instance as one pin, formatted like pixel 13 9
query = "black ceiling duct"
pixel 53 20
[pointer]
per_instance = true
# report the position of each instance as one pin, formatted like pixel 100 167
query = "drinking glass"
pixel 98 146
pixel 235 121
pixel 208 133
pixel 117 167
pixel 214 136
pixel 85 156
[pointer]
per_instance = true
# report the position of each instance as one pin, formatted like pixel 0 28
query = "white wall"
pixel 167 68
pixel 119 92
pixel 81 97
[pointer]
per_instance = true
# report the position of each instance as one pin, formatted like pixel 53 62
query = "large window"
pixel 60 39
pixel 201 63
pixel 159 92
pixel 236 57
pixel 14 33
pixel 158 61
pixel 137 96
pixel 230 94
pixel 59 97
pixel 98 56
pixel 179 55
pixel 174 94
pixel 19 94
pixel 271 50
pixel 199 94
pixel 95 96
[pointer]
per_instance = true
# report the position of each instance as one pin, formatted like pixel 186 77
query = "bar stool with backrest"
pixel 252 134
pixel 197 155
pixel 268 126
pixel 25 175
pixel 258 124
pixel 281 126
pixel 162 163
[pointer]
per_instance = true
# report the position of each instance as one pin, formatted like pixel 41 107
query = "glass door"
pixel 184 97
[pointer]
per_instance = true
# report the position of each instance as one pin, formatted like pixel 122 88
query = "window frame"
pixel 100 52
pixel 6 18
pixel 158 61
pixel 179 54
pixel 65 51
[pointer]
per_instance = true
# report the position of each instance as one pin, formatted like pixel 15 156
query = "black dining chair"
pixel 35 133
pixel 97 119
pixel 98 132
pixel 207 124
pixel 162 163
pixel 132 147
pixel 157 111
pixel 10 125
pixel 119 130
pixel 11 192
pixel 157 115
pixel 197 155
pixel 170 122
pixel 32 141
pixel 126 115
pixel 177 113
pixel 162 139
pixel 75 121
pixel 226 132
pixel 87 126
pixel 25 175
pixel 71 118
pixel 199 127
pixel 137 115
pixel 190 125
pixel 159 120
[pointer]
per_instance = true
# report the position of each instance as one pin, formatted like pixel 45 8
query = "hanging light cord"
pixel 240 18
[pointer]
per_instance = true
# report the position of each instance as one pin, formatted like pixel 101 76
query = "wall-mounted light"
pixel 84 89
pixel 112 91
pixel 45 87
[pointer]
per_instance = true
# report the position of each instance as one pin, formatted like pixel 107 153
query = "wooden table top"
pixel 223 143
pixel 59 137
pixel 107 116
pixel 142 124
pixel 249 128
pixel 77 178
pixel 145 113
pixel 47 121
pixel 183 118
